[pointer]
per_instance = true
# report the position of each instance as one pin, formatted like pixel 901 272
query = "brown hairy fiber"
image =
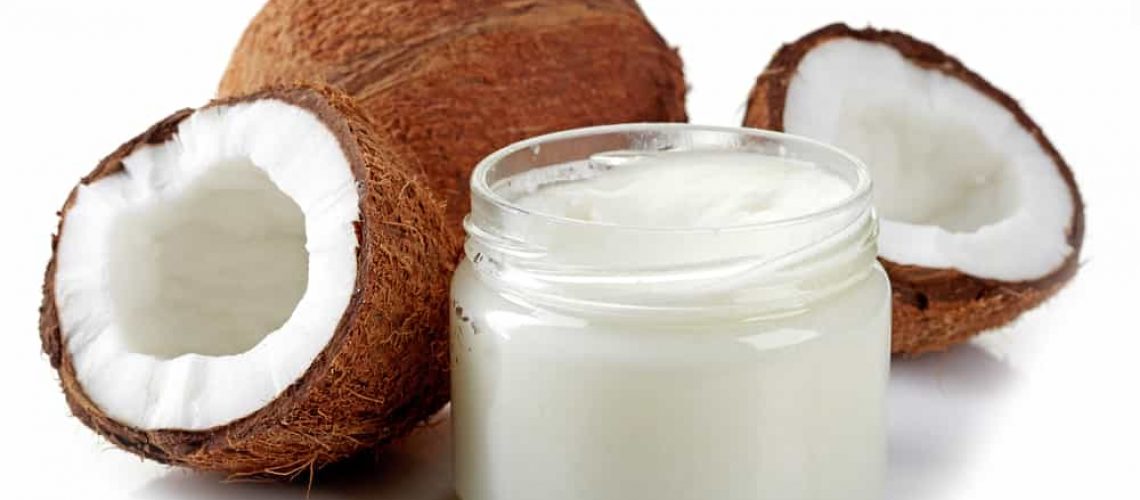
pixel 933 308
pixel 385 367
pixel 458 79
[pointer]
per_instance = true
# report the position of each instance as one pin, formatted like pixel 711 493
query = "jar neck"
pixel 614 270
pixel 771 268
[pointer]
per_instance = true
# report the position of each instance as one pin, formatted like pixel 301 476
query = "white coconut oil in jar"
pixel 670 312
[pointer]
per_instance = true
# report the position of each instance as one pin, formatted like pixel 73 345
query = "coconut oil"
pixel 669 312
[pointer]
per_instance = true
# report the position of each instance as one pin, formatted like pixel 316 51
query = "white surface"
pixel 254 197
pixel 1046 409
pixel 717 190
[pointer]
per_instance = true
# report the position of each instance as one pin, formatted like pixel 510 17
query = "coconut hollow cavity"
pixel 981 217
pixel 456 81
pixel 253 287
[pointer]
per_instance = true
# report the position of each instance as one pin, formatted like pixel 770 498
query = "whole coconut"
pixel 457 79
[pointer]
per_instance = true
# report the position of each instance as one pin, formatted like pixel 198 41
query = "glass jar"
pixel 597 361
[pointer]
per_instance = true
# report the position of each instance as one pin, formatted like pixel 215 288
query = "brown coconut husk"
pixel 457 80
pixel 933 308
pixel 385 367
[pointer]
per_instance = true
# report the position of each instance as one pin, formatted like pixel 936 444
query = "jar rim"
pixel 481 188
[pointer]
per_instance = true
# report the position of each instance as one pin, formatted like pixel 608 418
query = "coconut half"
pixel 981 217
pixel 253 287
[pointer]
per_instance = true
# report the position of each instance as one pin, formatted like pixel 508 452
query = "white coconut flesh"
pixel 959 183
pixel 197 284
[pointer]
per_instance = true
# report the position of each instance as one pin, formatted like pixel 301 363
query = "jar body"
pixel 560 405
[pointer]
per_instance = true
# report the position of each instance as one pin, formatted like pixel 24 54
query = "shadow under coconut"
pixel 415 468
pixel 939 406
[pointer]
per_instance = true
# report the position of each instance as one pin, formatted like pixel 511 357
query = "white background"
pixel 1045 409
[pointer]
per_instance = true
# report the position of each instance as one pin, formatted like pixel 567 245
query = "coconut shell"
pixel 933 308
pixel 385 367
pixel 457 80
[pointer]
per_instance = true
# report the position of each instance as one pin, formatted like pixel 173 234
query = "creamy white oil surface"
pixel 686 189
pixel 578 402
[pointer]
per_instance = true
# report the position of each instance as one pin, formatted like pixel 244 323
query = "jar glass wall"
pixel 607 361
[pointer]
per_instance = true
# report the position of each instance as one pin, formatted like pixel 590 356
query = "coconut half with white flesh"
pixel 255 287
pixel 981 218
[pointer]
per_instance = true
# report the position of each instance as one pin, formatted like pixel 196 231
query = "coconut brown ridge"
pixel 933 308
pixel 383 370
pixel 457 80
